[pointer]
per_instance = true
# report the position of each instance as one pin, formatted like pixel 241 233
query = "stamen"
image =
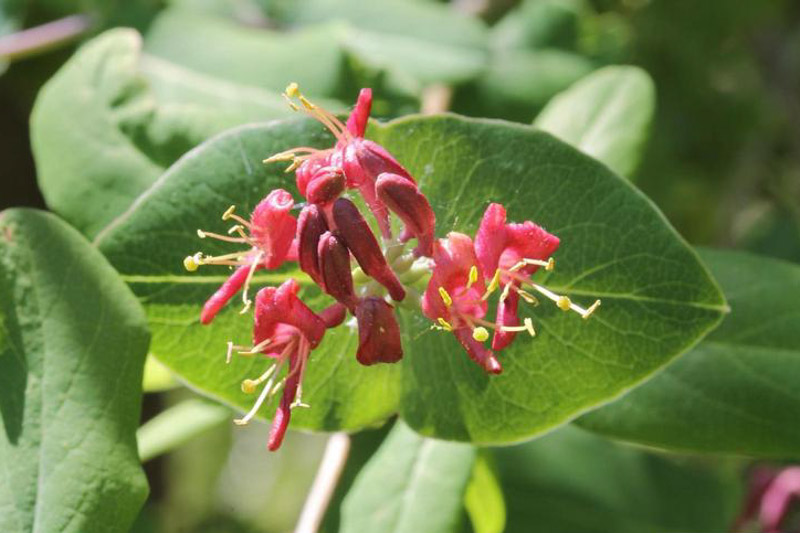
pixel 190 264
pixel 268 388
pixel 203 234
pixel 298 401
pixel 527 326
pixel 448 301
pixel 245 297
pixel 506 290
pixel 473 276
pixel 249 385
pixel 228 212
pixel 564 303
pixel 528 297
pixel 493 284
pixel 480 334
pixel 445 324
pixel 549 265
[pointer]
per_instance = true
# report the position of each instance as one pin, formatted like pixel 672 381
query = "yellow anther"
pixel 306 103
pixel 201 234
pixel 228 212
pixel 445 324
pixel 234 229
pixel 284 156
pixel 296 163
pixel 292 90
pixel 249 386
pixel 493 284
pixel 529 326
pixel 588 312
pixel 528 297
pixel 563 303
pixel 448 301
pixel 551 265
pixel 190 264
pixel 473 276
pixel 480 334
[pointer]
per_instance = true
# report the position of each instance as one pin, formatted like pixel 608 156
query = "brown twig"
pixel 330 469
pixel 40 39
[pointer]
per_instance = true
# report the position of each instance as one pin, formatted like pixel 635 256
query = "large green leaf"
pixel 606 115
pixel 736 391
pixel 411 484
pixel 540 24
pixel 110 121
pixel 483 498
pixel 72 345
pixel 574 482
pixel 658 299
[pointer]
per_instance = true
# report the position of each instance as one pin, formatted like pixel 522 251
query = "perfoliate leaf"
pixel 72 344
pixel 658 299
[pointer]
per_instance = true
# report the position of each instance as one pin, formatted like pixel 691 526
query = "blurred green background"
pixel 722 162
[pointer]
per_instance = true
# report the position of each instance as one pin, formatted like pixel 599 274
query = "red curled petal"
pixel 378 332
pixel 506 316
pixel 478 352
pixel 334 265
pixel 310 227
pixel 273 227
pixel 404 198
pixel 228 289
pixel 282 306
pixel 490 240
pixel 358 237
pixel 325 186
pixel 357 121
pixel 283 414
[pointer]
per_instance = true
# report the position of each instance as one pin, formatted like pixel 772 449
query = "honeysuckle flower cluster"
pixel 368 276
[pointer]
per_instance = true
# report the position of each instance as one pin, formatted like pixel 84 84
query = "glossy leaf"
pixel 110 121
pixel 737 391
pixel 606 115
pixel 658 300
pixel 574 482
pixel 411 484
pixel 72 345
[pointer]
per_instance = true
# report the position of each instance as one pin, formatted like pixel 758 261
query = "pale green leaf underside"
pixel 177 425
pixel 111 120
pixel 411 484
pixel 72 344
pixel 737 391
pixel 658 300
pixel 483 499
pixel 606 115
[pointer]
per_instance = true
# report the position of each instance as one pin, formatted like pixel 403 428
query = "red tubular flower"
pixel 357 235
pixel 285 330
pixel 453 298
pixel 405 200
pixel 334 265
pixel 270 234
pixel 513 252
pixel 378 332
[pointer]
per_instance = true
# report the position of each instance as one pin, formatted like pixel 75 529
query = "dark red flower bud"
pixel 308 169
pixel 334 264
pixel 325 186
pixel 333 315
pixel 358 237
pixel 404 198
pixel 378 332
pixel 310 227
